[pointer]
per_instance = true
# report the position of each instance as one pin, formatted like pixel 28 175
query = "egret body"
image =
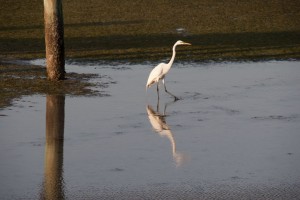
pixel 159 72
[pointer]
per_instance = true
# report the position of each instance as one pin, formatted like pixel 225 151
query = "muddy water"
pixel 234 133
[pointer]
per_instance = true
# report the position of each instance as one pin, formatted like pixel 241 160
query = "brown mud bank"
pixel 141 31
pixel 21 79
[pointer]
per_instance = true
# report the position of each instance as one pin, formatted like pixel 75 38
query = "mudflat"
pixel 142 31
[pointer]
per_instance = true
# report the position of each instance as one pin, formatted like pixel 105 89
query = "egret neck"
pixel 171 61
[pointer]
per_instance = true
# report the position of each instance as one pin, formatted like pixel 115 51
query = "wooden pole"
pixel 54 39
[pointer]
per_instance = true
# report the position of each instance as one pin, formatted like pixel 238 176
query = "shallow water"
pixel 234 133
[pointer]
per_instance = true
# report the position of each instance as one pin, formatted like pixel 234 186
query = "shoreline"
pixel 12 70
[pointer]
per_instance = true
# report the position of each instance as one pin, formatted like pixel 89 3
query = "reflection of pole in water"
pixel 53 175
pixel 160 126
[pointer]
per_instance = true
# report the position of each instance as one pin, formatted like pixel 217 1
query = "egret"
pixel 159 72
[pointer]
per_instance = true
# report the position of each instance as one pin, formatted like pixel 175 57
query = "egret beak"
pixel 185 43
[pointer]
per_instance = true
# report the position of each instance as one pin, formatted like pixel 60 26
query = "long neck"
pixel 173 56
pixel 169 65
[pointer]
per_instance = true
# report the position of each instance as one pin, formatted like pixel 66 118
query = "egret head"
pixel 179 42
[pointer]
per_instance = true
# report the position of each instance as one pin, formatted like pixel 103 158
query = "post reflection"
pixel 160 126
pixel 53 169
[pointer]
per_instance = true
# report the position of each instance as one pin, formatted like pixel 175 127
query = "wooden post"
pixel 54 39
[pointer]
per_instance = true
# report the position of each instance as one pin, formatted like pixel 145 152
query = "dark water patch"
pixel 277 117
pixel 119 132
pixel 194 96
pixel 228 111
pixel 133 125
pixel 116 169
pixel 237 178
pixel 37 143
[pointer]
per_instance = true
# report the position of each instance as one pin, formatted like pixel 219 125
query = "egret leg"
pixel 157 89
pixel 175 98
pixel 157 106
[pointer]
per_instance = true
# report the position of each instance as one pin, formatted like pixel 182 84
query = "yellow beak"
pixel 185 43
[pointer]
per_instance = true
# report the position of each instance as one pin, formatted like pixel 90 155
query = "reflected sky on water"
pixel 236 128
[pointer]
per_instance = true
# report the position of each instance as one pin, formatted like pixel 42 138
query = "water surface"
pixel 234 133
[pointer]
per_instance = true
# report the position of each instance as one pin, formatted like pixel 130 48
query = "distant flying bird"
pixel 160 71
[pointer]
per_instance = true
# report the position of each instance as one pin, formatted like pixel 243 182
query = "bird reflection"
pixel 53 174
pixel 161 127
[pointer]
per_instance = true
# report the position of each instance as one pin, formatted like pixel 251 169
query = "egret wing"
pixel 155 74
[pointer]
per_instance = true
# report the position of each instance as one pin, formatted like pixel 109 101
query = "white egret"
pixel 160 71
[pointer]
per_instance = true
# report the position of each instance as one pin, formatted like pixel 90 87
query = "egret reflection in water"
pixel 160 126
pixel 53 187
